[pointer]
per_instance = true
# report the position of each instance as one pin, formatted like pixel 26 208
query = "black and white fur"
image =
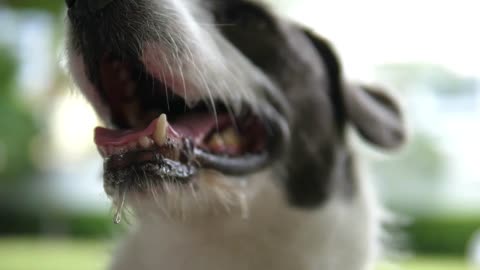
pixel 308 210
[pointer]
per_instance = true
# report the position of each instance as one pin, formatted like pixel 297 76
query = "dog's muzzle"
pixel 152 126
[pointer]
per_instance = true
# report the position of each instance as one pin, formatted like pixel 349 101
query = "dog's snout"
pixel 87 7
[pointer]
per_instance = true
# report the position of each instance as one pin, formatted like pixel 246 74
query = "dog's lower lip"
pixel 191 160
pixel 167 168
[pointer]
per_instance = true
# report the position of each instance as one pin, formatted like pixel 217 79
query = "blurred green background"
pixel 54 214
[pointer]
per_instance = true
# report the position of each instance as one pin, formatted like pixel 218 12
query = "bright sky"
pixel 372 32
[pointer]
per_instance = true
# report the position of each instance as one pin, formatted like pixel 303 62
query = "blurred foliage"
pixel 443 235
pixel 421 160
pixel 428 263
pixel 53 254
pixel 46 5
pixel 55 224
pixel 432 77
pixel 16 122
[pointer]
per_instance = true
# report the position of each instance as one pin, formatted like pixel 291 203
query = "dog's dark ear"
pixel 375 115
pixel 372 112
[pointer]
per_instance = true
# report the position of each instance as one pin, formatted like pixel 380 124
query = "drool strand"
pixel 117 218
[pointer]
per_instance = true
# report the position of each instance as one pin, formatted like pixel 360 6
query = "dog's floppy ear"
pixel 375 115
pixel 372 112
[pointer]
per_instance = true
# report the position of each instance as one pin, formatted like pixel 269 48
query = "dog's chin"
pixel 209 195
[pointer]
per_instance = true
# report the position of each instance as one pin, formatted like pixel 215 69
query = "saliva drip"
pixel 117 218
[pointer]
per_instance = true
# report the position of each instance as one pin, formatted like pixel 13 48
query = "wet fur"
pixel 309 210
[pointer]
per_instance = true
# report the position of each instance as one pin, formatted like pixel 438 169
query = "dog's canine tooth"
pixel 145 142
pixel 160 135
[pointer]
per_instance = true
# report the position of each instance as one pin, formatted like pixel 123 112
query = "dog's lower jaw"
pixel 341 235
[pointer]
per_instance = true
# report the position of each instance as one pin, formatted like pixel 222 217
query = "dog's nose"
pixel 87 6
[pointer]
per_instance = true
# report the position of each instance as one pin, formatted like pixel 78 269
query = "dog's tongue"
pixel 195 127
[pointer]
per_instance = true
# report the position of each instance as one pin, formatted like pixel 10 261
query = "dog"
pixel 226 135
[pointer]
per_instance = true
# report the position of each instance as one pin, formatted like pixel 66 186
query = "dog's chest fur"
pixel 338 236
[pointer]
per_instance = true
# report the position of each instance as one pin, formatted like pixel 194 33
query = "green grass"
pixel 53 254
pixel 61 254
pixel 429 263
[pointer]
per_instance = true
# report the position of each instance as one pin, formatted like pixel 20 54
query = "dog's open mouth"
pixel 155 129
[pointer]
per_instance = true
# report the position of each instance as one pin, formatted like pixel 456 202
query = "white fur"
pixel 338 236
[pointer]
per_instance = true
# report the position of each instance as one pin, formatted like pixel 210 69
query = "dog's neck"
pixel 274 235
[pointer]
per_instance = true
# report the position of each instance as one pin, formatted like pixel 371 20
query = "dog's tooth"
pixel 160 135
pixel 231 137
pixel 216 142
pixel 145 142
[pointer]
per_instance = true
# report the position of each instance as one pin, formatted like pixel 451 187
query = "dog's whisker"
pixel 170 70
pixel 180 67
pixel 244 210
